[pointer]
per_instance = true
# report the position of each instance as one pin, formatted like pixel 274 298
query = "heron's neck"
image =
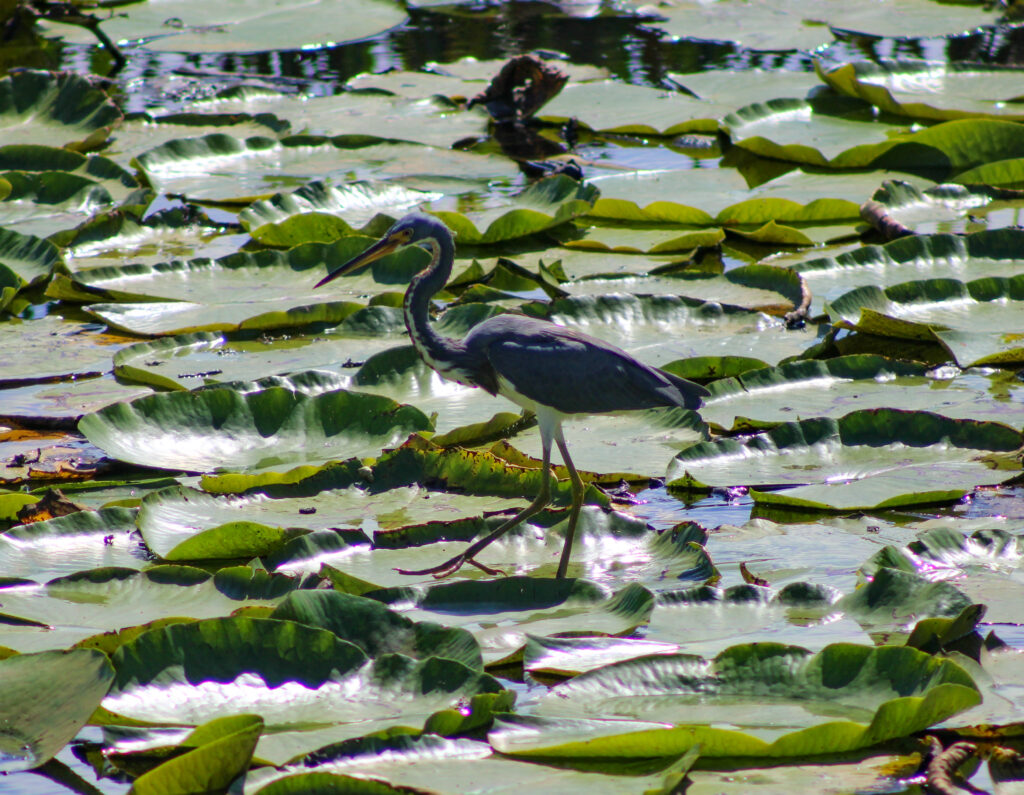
pixel 438 351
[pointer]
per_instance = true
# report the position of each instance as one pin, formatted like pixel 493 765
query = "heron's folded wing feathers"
pixel 574 375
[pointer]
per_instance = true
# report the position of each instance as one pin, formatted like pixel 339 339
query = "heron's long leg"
pixel 578 488
pixel 543 498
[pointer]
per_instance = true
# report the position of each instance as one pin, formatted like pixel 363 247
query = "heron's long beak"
pixel 379 249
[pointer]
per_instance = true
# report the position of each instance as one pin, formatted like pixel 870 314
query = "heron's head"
pixel 415 229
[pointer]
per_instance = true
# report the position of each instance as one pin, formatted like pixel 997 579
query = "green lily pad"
pixel 500 613
pixel 72 608
pixel 30 257
pixel 946 208
pixel 314 211
pixel 876 694
pixel 834 387
pixel 48 697
pixel 260 27
pixel 84 540
pixel 923 310
pixel 222 168
pixel 545 204
pixel 784 25
pixel 403 763
pixel 61 404
pixel 867 458
pixel 221 750
pixel 770 130
pixel 185 361
pixel 842 681
pixel 114 236
pixel 705 619
pixel 930 90
pixel 377 630
pixel 55 108
pixel 220 428
pixel 50 348
pixel 213 666
pixel 985 565
pixel 599 106
pixel 184 524
pixel 936 256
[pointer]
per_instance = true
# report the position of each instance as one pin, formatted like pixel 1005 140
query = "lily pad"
pixel 936 256
pixel 985 565
pixel 377 630
pixel 259 27
pixel 879 457
pixel 220 428
pixel 536 606
pixel 222 168
pixel 84 540
pixel 842 681
pixel 48 697
pixel 924 310
pixel 930 90
pixel 55 108
pixel 30 257
pixel 314 211
pixel 72 608
pixel 211 666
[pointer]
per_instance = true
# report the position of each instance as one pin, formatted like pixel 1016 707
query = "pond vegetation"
pixel 213 473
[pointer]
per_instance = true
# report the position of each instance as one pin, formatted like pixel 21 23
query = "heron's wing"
pixel 572 372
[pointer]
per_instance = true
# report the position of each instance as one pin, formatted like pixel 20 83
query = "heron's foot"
pixel 449 567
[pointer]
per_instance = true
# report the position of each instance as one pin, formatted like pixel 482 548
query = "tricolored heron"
pixel 552 371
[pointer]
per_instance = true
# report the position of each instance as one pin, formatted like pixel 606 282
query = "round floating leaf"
pixel 51 349
pixel 220 167
pixel 56 108
pixel 32 258
pixel 220 428
pixel 189 360
pixel 867 458
pixel 600 105
pixel 986 253
pixel 706 620
pixel 770 130
pixel 571 656
pixel 830 387
pixel 878 694
pixel 286 672
pixel 76 542
pixel 984 563
pixel 901 598
pixel 48 697
pixel 184 524
pixel 259 26
pixel 78 606
pixel 403 764
pixel 314 212
pixel 500 613
pixel 377 630
pixel 783 25
pixel 545 204
pixel 915 310
pixel 931 90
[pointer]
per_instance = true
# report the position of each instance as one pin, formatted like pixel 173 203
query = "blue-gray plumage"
pixel 553 371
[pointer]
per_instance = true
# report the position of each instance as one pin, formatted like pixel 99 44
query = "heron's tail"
pixel 692 394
